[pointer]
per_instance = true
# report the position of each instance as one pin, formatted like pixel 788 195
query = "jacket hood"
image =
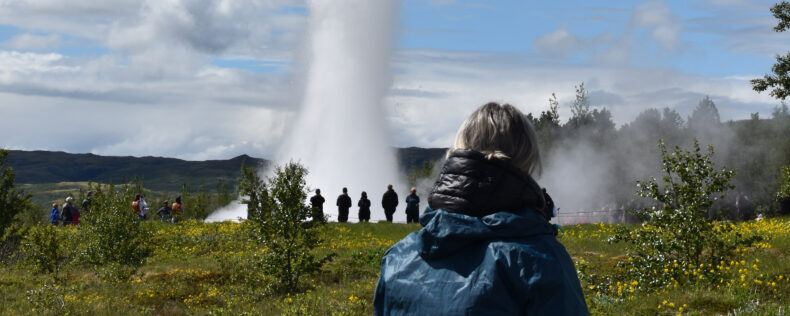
pixel 446 233
pixel 474 185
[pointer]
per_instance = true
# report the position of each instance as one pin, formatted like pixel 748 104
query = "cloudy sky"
pixel 212 79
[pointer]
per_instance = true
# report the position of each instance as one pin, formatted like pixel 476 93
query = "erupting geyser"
pixel 341 134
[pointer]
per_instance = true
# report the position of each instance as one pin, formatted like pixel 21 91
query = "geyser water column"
pixel 341 134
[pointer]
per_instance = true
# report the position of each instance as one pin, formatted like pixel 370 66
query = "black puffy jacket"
pixel 473 185
pixel 389 200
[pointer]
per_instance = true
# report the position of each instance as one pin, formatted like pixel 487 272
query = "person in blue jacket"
pixel 54 215
pixel 486 246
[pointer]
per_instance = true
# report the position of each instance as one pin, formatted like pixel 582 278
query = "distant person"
pixel 178 210
pixel 164 211
pixel 487 247
pixel 143 208
pixel 75 214
pixel 364 208
pixel 413 207
pixel 343 205
pixel 317 204
pixel 54 215
pixel 86 203
pixel 136 205
pixel 68 212
pixel 389 202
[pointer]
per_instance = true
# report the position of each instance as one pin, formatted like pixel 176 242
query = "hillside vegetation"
pixel 200 268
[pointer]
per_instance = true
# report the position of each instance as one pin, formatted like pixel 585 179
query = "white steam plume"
pixel 341 135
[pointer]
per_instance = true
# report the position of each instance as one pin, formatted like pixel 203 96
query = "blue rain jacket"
pixel 500 264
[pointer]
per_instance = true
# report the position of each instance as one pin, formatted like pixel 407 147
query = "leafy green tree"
pixel 547 126
pixel 43 249
pixel 12 201
pixel 704 115
pixel 675 236
pixel 279 217
pixel 420 172
pixel 784 184
pixel 224 195
pixel 200 207
pixel 580 108
pixel 779 80
pixel 115 244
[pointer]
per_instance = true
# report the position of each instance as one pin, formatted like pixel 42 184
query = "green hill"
pixel 158 173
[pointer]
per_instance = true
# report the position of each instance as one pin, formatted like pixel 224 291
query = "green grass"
pixel 185 276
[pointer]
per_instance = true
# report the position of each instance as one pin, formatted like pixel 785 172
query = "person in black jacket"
pixel 343 204
pixel 317 203
pixel 412 207
pixel 68 212
pixel 389 202
pixel 364 208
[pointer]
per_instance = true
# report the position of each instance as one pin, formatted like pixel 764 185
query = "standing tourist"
pixel 487 247
pixel 343 205
pixel 54 215
pixel 143 208
pixel 68 212
pixel 389 202
pixel 317 204
pixel 412 207
pixel 178 210
pixel 164 211
pixel 364 208
pixel 86 203
pixel 136 205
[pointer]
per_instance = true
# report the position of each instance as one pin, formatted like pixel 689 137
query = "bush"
pixel 278 217
pixel 43 250
pixel 784 184
pixel 676 242
pixel 10 242
pixel 12 201
pixel 115 244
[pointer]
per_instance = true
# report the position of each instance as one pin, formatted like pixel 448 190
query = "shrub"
pixel 43 250
pixel 10 242
pixel 676 242
pixel 12 201
pixel 278 217
pixel 784 184
pixel 115 244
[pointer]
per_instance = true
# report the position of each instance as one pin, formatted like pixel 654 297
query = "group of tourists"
pixel 69 214
pixel 389 201
pixel 167 213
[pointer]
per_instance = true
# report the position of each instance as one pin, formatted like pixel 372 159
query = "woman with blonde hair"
pixel 486 246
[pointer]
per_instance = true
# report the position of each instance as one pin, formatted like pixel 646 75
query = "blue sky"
pixel 224 76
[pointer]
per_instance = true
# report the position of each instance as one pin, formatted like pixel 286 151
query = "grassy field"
pixel 199 268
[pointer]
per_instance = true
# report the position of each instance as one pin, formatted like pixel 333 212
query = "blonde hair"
pixel 501 131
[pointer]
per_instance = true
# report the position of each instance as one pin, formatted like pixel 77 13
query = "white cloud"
pixel 558 43
pixel 14 63
pixel 452 85
pixel 34 42
pixel 658 16
pixel 155 92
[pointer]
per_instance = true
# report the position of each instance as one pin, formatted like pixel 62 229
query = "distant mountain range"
pixel 158 173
